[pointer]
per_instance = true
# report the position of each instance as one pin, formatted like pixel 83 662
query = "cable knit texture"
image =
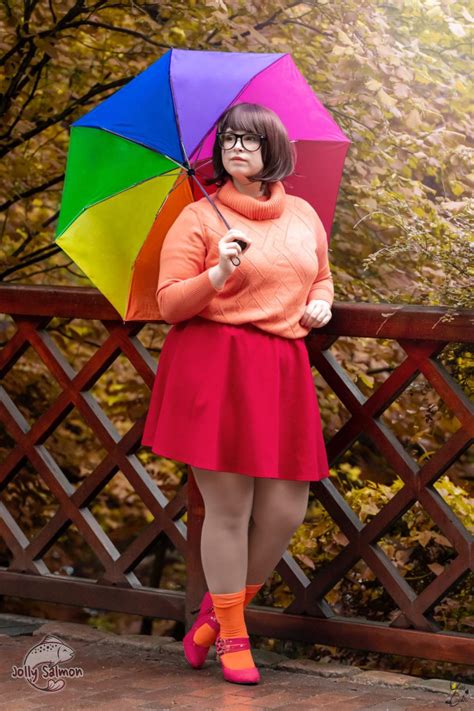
pixel 285 267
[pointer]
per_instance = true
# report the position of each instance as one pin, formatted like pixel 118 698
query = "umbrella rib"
pixel 212 203
pixel 201 143
pixel 177 183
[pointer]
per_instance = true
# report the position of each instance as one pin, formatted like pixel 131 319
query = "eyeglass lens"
pixel 249 141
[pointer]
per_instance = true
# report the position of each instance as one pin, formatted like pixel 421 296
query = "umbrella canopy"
pixel 139 157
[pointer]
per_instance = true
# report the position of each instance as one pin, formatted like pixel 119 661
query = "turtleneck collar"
pixel 251 207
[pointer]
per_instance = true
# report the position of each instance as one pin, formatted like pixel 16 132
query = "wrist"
pixel 216 277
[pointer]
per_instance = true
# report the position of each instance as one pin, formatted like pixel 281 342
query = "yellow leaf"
pixel 340 538
pixel 306 560
pixel 366 573
pixel 178 34
pixel 345 39
pixel 442 540
pixel 402 91
pixel 386 99
pixel 436 568
pixel 373 85
pixel 413 119
pixel 457 29
pixel 369 509
pixel 425 537
pixel 367 379
pixel 457 187
pixel 453 205
pixel 402 556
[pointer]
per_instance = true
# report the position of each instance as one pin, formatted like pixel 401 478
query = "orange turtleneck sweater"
pixel 285 267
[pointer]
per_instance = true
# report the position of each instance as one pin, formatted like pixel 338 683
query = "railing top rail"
pixel 383 320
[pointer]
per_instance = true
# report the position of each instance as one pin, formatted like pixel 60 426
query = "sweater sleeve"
pixel 184 287
pixel 322 286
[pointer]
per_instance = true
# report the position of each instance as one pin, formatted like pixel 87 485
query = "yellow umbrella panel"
pixel 114 194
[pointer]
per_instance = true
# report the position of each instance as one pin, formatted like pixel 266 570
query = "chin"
pixel 241 177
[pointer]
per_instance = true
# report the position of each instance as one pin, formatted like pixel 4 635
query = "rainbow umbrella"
pixel 139 157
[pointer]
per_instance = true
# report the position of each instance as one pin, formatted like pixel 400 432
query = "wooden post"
pixel 196 584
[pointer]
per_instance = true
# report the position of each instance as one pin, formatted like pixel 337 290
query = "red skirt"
pixel 237 399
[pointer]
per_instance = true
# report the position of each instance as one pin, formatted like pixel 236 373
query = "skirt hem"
pixel 223 468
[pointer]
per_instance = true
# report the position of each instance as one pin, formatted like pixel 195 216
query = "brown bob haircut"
pixel 278 153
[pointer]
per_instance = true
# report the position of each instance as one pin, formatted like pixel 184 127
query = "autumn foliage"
pixel 395 76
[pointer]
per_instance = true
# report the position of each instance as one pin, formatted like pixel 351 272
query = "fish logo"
pixel 41 662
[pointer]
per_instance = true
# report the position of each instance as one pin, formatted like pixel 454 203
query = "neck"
pixel 252 189
pixel 251 207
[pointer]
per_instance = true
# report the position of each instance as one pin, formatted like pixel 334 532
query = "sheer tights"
pixel 248 524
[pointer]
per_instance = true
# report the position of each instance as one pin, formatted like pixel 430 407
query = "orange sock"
pixel 251 590
pixel 206 635
pixel 229 610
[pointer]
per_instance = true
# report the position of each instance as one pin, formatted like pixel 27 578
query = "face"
pixel 250 162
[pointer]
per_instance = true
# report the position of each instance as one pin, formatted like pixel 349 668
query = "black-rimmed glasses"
pixel 249 141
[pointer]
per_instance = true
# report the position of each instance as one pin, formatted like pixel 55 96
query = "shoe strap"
pixel 209 618
pixel 232 644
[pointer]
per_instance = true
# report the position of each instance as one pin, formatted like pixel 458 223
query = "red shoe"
pixel 236 676
pixel 196 653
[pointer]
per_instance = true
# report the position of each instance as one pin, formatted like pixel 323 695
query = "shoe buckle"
pixel 223 646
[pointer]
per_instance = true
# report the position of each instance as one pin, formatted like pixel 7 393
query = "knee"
pixel 280 517
pixel 228 518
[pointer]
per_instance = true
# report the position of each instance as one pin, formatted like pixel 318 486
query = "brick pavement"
pixel 134 672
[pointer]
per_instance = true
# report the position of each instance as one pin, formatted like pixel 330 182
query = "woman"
pixel 234 395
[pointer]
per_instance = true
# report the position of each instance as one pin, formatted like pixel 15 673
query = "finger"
pixel 233 233
pixel 318 309
pixel 315 314
pixel 320 319
pixel 231 252
pixel 321 309
pixel 322 322
pixel 234 246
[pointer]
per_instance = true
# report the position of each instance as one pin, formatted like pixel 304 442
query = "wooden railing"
pixel 420 331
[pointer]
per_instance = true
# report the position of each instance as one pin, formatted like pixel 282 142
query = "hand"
pixel 229 248
pixel 316 314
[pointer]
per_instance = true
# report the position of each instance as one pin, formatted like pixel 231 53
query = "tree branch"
pixel 53 249
pixel 12 89
pixel 31 191
pixel 37 69
pixel 45 123
pixel 124 30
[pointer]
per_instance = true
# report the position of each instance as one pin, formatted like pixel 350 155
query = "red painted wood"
pixel 422 334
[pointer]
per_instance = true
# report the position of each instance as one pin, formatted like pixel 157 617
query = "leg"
pixel 227 500
pixel 279 507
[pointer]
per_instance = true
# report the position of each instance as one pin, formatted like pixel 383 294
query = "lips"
pixel 241 160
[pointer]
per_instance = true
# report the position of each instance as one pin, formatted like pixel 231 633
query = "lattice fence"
pixel 422 335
